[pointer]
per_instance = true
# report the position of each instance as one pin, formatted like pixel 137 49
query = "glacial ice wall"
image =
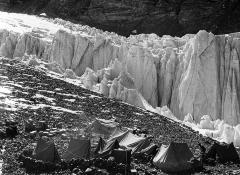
pixel 195 74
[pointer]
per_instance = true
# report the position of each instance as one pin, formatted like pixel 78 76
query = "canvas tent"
pixel 118 135
pixel 128 140
pixel 145 143
pixel 223 152
pixel 131 141
pixel 78 148
pixel 108 148
pixel 46 151
pixel 105 127
pixel 173 158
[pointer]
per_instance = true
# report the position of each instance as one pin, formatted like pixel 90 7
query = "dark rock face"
pixel 173 17
pixel 4 4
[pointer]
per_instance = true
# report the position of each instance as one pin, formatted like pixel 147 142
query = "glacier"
pixel 192 79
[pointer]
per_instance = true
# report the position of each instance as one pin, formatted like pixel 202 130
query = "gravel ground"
pixel 60 104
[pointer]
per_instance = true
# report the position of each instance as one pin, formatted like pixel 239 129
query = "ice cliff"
pixel 197 74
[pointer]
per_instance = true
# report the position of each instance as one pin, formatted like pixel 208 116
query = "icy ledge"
pixel 194 75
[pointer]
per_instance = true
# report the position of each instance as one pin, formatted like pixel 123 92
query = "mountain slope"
pixel 173 17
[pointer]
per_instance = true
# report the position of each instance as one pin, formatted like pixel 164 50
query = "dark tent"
pixel 100 146
pixel 173 158
pixel 78 148
pixel 105 127
pixel 223 153
pixel 122 156
pixel 108 148
pixel 46 151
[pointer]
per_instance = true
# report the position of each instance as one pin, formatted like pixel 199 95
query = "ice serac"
pixel 229 78
pixel 8 41
pixel 63 48
pixel 199 85
pixel 210 83
pixel 83 48
pixel 30 45
pixel 231 95
pixel 104 51
pixel 140 64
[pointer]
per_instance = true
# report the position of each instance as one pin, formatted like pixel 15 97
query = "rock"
pixel 133 171
pixel 89 170
pixel 76 170
pixel 62 130
pixel 11 131
pixel 45 133
pixel 10 123
pixel 33 134
pixel 29 126
pixel 59 125
pixel 2 134
pixel 64 136
pixel 40 133
pixel 111 159
pixel 42 126
pixel 149 16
